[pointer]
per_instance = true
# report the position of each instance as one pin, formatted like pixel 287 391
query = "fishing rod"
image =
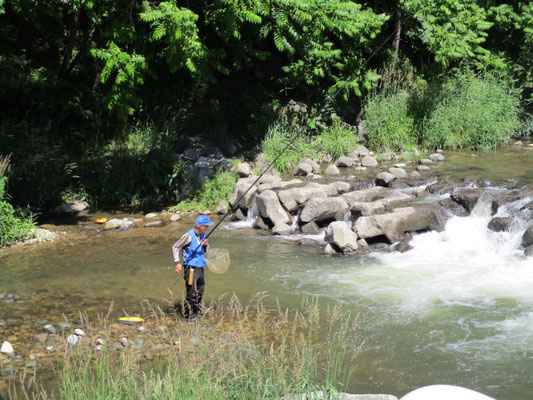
pixel 304 128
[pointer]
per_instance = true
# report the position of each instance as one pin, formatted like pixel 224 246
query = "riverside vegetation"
pixel 238 352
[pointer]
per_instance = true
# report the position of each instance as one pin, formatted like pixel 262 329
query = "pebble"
pixel 154 224
pixel 124 342
pixel 50 349
pixel 79 332
pixel 7 348
pixel 422 168
pixel 141 329
pixel 150 215
pixel 175 218
pixel 73 340
pixel 100 342
pixel 50 329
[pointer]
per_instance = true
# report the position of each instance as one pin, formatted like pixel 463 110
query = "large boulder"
pixel 344 162
pixel 320 209
pixel 369 162
pixel 384 178
pixel 442 187
pixel 359 209
pixel 241 187
pixel 293 198
pixel 206 166
pixel 437 157
pixel 313 164
pixel 453 208
pixel 281 229
pixel 332 170
pixel 340 187
pixel 399 173
pixel 303 169
pixel 527 238
pixel 341 237
pixel 311 228
pixel 72 207
pixel 277 185
pixel 467 197
pixel 395 224
pixel 365 195
pixel 269 207
pixel 361 151
pixel 499 224
pixel 242 169
pixel 510 197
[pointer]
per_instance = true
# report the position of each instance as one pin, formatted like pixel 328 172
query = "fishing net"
pixel 217 260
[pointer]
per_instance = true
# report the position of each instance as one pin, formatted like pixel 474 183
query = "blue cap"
pixel 204 220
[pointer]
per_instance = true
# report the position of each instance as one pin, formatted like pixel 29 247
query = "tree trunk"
pixel 396 39
pixel 67 55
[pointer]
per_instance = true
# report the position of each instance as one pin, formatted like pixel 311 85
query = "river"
pixel 455 309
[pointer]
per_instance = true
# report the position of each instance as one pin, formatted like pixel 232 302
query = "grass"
pixel 208 195
pixel 336 140
pixel 15 225
pixel 473 112
pixel 239 352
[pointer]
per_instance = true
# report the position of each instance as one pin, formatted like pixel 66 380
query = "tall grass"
pixel 472 112
pixel 15 225
pixel 389 121
pixel 277 139
pixel 251 352
pixel 336 140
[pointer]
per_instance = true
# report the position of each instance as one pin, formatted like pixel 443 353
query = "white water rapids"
pixel 457 308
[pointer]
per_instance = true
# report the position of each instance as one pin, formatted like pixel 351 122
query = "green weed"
pixel 336 140
pixel 472 112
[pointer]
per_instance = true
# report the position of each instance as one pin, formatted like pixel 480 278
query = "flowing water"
pixel 456 309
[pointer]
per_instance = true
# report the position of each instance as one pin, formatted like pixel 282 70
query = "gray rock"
pixel 527 238
pixel 365 195
pixel 341 237
pixel 369 162
pixel 510 197
pixel 340 187
pixel 528 206
pixel 344 162
pixel 281 229
pixel 328 249
pixel 313 164
pixel 426 161
pixel 41 337
pixel 499 224
pixel 399 173
pixel 73 340
pixel 222 207
pixel 311 228
pixel 99 342
pixel 467 197
pixel 303 169
pixel 402 246
pixel 72 207
pixel 79 332
pixel 154 224
pixel 293 198
pixel 269 207
pixel 395 224
pixel 125 224
pixel 150 215
pixel 415 175
pixel 322 209
pixel 361 151
pixel 422 168
pixel 360 169
pixel 528 251
pixel 112 224
pixel 191 154
pixel 243 170
pixel 359 209
pixel 175 218
pixel 453 207
pixel 441 187
pixel 50 329
pixel 276 185
pixel 6 348
pixel 437 157
pixel 238 216
pixel 260 223
pixel 240 188
pixel 518 143
pixel 401 165
pixel 384 178
pixel 332 170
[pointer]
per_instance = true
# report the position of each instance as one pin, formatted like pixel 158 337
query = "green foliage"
pixel 336 140
pixel 278 139
pixel 389 121
pixel 473 112
pixel 208 195
pixel 14 225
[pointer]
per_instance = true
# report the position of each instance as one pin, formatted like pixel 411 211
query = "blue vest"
pixel 191 257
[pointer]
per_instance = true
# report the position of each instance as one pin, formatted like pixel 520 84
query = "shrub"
pixel 389 122
pixel 472 112
pixel 14 225
pixel 336 140
pixel 209 194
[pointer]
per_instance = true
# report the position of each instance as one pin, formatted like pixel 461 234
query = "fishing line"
pixel 305 127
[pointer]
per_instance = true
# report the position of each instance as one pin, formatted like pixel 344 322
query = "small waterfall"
pixel 253 213
pixel 295 220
